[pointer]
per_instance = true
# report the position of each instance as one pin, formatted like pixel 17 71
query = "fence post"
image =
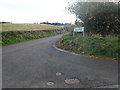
pixel 83 34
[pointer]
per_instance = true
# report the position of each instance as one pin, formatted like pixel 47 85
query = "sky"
pixel 31 11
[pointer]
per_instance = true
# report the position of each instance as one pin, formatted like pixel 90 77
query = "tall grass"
pixel 94 45
pixel 20 36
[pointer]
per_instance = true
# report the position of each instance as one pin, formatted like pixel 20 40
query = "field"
pixel 14 33
pixel 95 45
pixel 28 27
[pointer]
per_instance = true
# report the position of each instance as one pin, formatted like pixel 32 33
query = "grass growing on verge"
pixel 16 36
pixel 95 45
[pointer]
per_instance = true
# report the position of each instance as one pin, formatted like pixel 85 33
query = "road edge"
pixel 65 51
pixel 62 50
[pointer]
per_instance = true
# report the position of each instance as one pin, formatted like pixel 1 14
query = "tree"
pixel 98 17
pixel 79 23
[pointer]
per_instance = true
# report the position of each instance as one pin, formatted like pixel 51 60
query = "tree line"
pixel 55 23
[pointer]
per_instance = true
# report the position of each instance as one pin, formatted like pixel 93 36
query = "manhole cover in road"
pixel 50 83
pixel 58 74
pixel 72 81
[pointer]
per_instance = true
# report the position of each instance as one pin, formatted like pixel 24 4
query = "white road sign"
pixel 79 29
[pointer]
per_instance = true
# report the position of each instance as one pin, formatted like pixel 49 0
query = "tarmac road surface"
pixel 37 64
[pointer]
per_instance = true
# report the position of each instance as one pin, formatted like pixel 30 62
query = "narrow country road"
pixel 37 64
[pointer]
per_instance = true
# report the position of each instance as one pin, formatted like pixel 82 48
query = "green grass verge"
pixel 20 36
pixel 95 45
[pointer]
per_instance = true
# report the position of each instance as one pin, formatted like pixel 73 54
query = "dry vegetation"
pixel 28 27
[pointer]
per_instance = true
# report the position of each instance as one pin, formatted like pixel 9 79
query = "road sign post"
pixel 73 33
pixel 78 29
